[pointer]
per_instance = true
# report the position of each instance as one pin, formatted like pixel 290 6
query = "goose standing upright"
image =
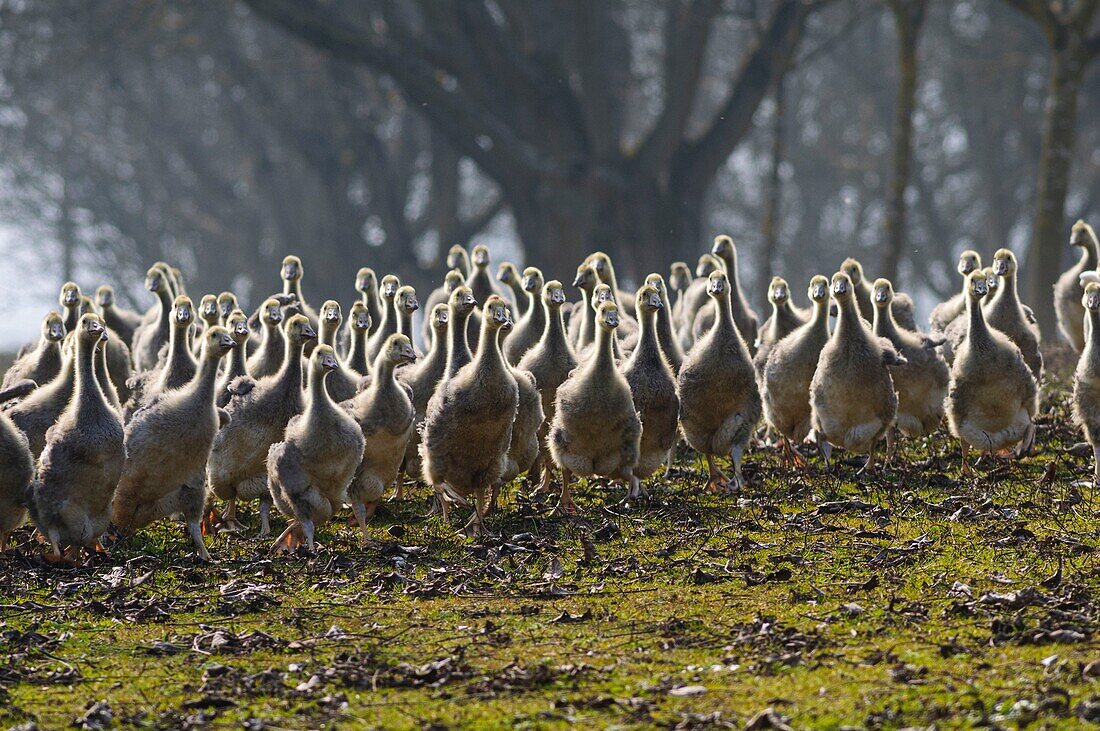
pixel 167 445
pixel 385 415
pixel 785 319
pixel 653 390
pixel 719 401
pixel 1004 312
pixel 42 363
pixel 903 303
pixel 596 431
pixel 468 424
pixel 533 323
pixel 422 378
pixel 16 466
pixel 1068 291
pixel 122 321
pixel 359 327
pixel 78 470
pixel 921 383
pixel 309 471
pixel 666 338
pixel 945 312
pixel 389 324
pixel 268 358
pixel 992 397
pixel 852 394
pixel 366 284
pixel 1086 379
pixel 788 371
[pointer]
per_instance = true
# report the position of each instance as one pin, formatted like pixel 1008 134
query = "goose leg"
pixel 363 514
pixel 636 491
pixel 868 467
pixel 494 495
pixel 736 453
pixel 826 453
pixel 891 444
pixel 1024 447
pixel 229 517
pixel 307 530
pixel 194 528
pixel 965 449
pixel 566 504
pixel 718 482
pixel 1096 465
pixel 475 528
pixel 289 540
pixel 265 517
pixel 399 483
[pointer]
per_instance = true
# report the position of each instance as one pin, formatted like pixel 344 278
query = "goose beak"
pixel 412 305
pixel 529 284
pixel 328 362
pixel 1000 266
pixel 56 331
pixel 308 332
pixel 363 322
pixel 578 280
pixel 656 303
pixel 880 295
pixel 557 296
pixel 290 271
pixel 408 354
pixel 612 319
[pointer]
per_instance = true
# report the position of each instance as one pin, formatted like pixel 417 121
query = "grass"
pixel 915 598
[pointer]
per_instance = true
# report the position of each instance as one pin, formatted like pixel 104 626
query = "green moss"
pixel 880 612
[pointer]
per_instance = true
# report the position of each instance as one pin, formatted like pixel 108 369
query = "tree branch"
pixel 687 30
pixel 697 162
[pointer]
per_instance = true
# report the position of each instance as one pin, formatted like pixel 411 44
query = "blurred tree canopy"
pixel 360 132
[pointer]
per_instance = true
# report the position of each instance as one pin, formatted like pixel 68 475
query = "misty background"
pixel 222 136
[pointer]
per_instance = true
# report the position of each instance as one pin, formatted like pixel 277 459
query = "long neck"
pixel 1091 353
pixel 383 374
pixel 553 333
pixel 86 389
pixel 437 355
pixel 847 318
pixel 664 321
pixel 201 386
pixel 977 330
pixel 603 360
pixel 357 351
pixel 884 324
pixel 405 322
pixel 389 317
pixel 588 322
pixel 773 326
pixel 294 287
pixel 458 346
pixel 1088 258
pixel 648 349
pixel 489 357
pixel 164 299
pixel 177 346
pixel 723 320
pixel 329 328
pixel 235 365
pixel 535 312
pixel 291 369
pixel 72 315
pixel 820 318
pixel 318 401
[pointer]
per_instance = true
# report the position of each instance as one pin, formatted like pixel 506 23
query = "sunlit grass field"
pixel 913 598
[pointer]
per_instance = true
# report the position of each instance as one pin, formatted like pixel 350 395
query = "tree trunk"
pixel 1059 135
pixel 908 18
pixel 773 204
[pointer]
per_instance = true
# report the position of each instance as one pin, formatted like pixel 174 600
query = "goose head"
pixel 105 296
pixel 602 293
pixel 453 279
pixel 882 292
pixel 842 287
pixel 271 313
pixel 359 317
pixel 586 278
pixel 607 316
pixel 208 309
pixel 717 284
pixel 648 299
pixel 724 249
pixel 457 257
pixel 405 299
pixel 496 313
pixel 969 261
pixel 399 349
pixel 778 291
pixel 70 295
pixel 183 311
pixel 323 360
pixel 507 273
pixel 853 269
pixel 291 270
pixel 480 256
pixel 707 263
pixel 365 280
pixel 217 341
pixel 388 290
pixel 532 279
pixel 553 294
pixel 462 300
pixel 818 291
pixel 237 325
pixel 154 279
pixel 441 315
pixel 977 286
pixel 227 302
pixel 331 314
pixel 298 329
pixel 53 327
pixel 1082 235
pixel 679 276
pixel 1004 263
pixel 1091 299
pixel 90 328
